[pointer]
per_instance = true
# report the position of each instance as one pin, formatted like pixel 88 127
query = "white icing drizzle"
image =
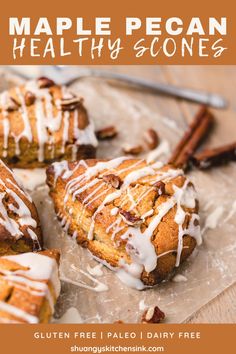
pixel 27 132
pixel 14 311
pixel 71 315
pixel 109 198
pixel 213 218
pixel 6 125
pixel 95 271
pixel 65 134
pixel 99 286
pixel 179 278
pixel 19 208
pixel 138 244
pixel 162 149
pixel 114 211
pixel 40 269
pixel 46 122
pixel 232 212
pixel 142 306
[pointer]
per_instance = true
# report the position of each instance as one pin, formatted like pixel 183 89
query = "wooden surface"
pixel 221 80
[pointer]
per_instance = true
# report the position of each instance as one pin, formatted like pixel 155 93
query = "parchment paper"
pixel 210 270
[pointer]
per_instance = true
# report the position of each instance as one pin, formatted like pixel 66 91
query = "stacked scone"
pixel 29 287
pixel 29 282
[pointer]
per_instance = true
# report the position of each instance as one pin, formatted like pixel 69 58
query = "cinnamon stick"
pixel 192 138
pixel 215 157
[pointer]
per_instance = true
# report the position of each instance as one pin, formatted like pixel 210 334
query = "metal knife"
pixel 66 75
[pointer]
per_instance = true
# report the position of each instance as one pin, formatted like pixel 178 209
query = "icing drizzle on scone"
pixel 32 276
pixel 35 101
pixel 15 214
pixel 135 230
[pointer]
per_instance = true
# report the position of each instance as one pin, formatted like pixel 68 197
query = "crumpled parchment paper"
pixel 210 270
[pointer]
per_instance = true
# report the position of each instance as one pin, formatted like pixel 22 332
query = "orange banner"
pixel 105 32
pixel 170 339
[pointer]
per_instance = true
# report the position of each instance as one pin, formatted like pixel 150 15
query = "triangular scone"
pixel 29 287
pixel 19 222
pixel 41 122
pixel 140 219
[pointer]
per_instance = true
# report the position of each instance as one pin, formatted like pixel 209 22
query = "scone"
pixel 139 219
pixel 29 287
pixel 41 122
pixel 19 222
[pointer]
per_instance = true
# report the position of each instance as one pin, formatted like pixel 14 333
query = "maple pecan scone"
pixel 140 219
pixel 29 287
pixel 41 122
pixel 19 222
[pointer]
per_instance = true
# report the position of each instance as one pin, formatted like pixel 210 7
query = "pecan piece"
pixel 29 98
pixel 151 138
pixel 12 105
pixel 70 104
pixel 109 132
pixel 45 82
pixel 83 121
pixel 114 180
pixel 118 322
pixel 130 218
pixel 153 315
pixel 132 150
pixel 160 186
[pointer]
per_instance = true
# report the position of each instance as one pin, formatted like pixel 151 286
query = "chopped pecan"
pixel 114 180
pixel 70 104
pixel 118 322
pixel 109 132
pixel 83 121
pixel 151 138
pixel 160 186
pixel 130 218
pixel 44 82
pixel 132 150
pixel 153 315
pixel 29 98
pixel 12 105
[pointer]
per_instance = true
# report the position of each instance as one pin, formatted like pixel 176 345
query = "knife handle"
pixel 209 99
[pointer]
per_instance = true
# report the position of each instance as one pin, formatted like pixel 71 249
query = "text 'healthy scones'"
pixel 140 219
pixel 19 222
pixel 29 287
pixel 41 122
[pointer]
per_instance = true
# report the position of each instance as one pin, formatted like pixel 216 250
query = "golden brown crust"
pixel 19 222
pixel 24 298
pixel 81 209
pixel 36 132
